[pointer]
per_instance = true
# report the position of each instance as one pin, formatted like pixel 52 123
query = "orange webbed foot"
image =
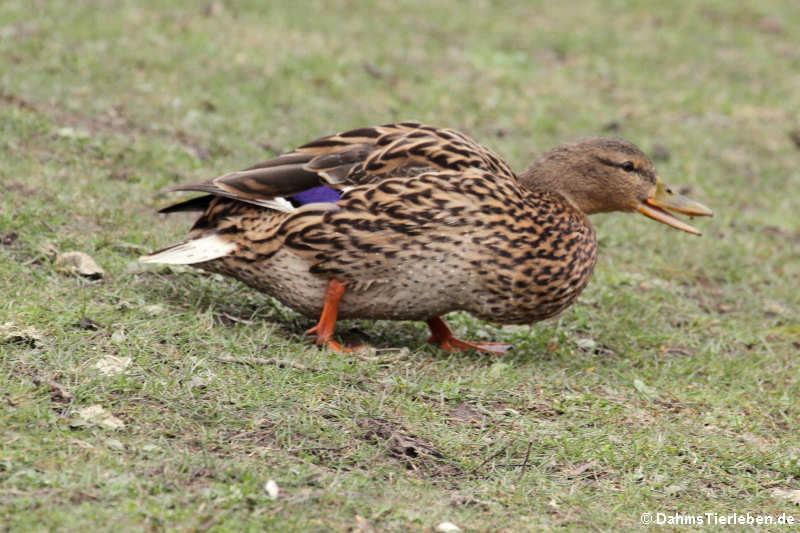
pixel 323 330
pixel 456 345
pixel 441 335
pixel 335 346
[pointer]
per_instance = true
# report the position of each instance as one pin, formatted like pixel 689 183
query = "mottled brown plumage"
pixel 428 222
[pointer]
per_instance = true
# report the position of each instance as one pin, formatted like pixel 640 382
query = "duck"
pixel 407 221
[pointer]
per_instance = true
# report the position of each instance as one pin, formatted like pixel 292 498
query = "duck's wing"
pixel 387 230
pixel 355 157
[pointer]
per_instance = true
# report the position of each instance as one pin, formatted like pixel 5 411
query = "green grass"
pixel 672 385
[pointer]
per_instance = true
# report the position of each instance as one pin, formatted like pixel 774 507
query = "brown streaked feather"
pixel 289 158
pixel 355 157
pixel 383 227
pixel 256 185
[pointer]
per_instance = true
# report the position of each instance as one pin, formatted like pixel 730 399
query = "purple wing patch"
pixel 316 194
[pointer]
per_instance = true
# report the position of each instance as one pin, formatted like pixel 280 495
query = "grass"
pixel 672 385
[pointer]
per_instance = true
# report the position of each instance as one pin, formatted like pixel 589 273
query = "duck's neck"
pixel 552 172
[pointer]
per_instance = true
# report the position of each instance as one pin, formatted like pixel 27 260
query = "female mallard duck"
pixel 410 222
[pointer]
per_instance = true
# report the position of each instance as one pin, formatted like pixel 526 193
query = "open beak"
pixel 654 207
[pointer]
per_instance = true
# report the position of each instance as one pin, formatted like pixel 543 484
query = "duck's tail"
pixel 192 251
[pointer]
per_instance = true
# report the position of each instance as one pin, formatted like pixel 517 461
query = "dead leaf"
pixel 11 333
pixel 772 308
pixel 150 448
pixel 465 414
pixel 677 488
pixel 119 336
pixel 198 382
pixel 756 441
pixel 57 391
pixel 97 415
pixel 580 469
pixel 590 345
pixel 79 263
pixel 115 444
pixel 155 309
pixel 586 344
pixel 49 249
pixel 111 365
pixel 791 495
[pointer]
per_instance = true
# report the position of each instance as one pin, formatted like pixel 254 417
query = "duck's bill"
pixel 655 207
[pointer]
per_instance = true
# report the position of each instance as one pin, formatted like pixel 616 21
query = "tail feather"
pixel 192 251
pixel 199 203
pixel 257 185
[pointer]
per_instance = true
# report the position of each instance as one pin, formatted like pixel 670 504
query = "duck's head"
pixel 605 174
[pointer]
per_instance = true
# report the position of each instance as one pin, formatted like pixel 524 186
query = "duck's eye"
pixel 628 166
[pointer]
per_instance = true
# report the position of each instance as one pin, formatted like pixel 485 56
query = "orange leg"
pixel 323 331
pixel 441 335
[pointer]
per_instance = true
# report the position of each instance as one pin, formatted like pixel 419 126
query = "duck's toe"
pixel 441 335
pixel 453 344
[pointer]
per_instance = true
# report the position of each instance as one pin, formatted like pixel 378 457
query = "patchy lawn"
pixel 141 398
